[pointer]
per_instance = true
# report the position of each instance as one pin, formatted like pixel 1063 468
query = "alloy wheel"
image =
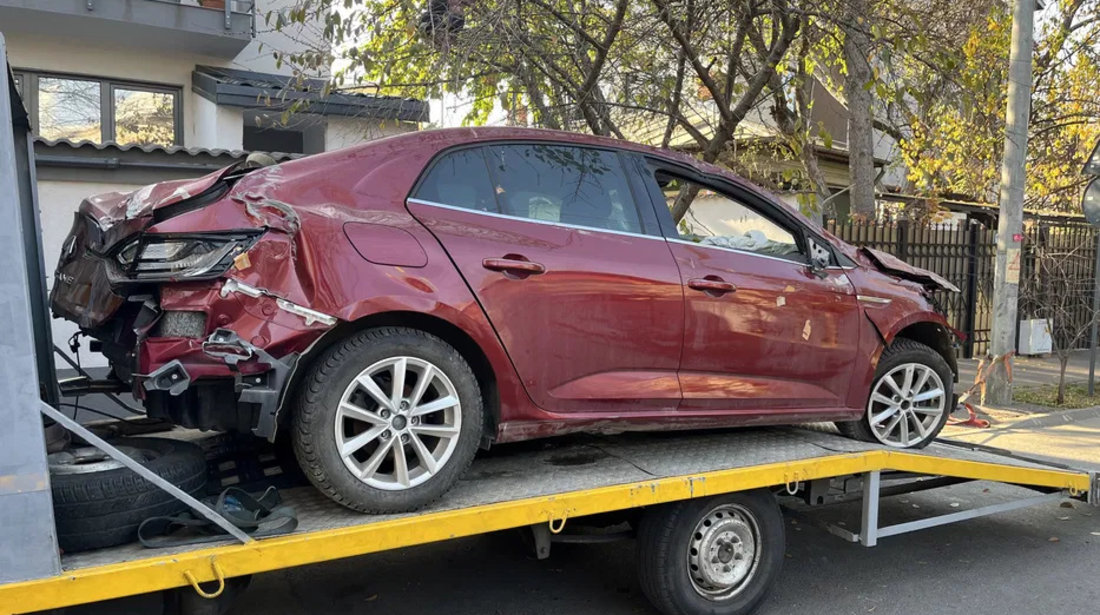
pixel 398 423
pixel 906 405
pixel 723 553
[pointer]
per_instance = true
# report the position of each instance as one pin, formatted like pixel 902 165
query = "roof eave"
pixel 254 97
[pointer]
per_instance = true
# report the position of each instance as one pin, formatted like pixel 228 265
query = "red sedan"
pixel 396 305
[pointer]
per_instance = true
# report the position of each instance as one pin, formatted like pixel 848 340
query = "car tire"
pixel 351 446
pixel 673 540
pixel 99 503
pixel 896 359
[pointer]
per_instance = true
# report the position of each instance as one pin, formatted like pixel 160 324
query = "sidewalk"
pixel 1034 371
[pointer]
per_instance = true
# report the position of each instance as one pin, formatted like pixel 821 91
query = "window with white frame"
pixel 97 109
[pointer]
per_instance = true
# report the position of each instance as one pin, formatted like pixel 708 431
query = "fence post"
pixel 903 239
pixel 970 302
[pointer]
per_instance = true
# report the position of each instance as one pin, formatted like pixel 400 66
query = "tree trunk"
pixel 803 97
pixel 861 145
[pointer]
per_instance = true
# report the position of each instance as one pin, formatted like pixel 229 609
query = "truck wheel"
pixel 98 502
pixel 713 556
pixel 910 398
pixel 387 420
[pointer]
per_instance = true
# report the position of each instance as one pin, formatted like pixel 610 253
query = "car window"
pixel 709 217
pixel 459 179
pixel 571 185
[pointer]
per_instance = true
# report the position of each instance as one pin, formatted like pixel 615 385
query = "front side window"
pixel 707 217
pixel 570 185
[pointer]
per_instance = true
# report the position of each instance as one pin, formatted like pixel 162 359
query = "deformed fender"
pixel 888 325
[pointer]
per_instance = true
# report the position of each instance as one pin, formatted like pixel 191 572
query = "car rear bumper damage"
pixel 188 353
pixel 184 317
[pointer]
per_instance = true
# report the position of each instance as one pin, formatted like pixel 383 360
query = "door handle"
pixel 712 285
pixel 513 265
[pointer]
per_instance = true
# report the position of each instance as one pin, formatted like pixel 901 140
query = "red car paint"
pixel 612 336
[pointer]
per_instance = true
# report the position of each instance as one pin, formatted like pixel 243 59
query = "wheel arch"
pixel 454 335
pixel 936 336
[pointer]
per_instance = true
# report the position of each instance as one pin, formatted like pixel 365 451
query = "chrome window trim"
pixel 493 214
pixel 736 251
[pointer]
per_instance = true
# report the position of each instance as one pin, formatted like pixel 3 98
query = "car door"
pixel 576 278
pixel 763 330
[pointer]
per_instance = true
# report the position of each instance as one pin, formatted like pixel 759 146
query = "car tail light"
pixel 151 258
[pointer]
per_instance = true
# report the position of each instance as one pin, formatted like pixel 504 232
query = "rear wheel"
pixel 388 420
pixel 712 556
pixel 910 398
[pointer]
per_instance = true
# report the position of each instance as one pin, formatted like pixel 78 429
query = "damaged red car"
pixel 396 305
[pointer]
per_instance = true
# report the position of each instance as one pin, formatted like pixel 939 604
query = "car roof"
pixel 439 139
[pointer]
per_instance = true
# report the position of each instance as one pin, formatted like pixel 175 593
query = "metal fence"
pixel 1056 279
pixel 964 254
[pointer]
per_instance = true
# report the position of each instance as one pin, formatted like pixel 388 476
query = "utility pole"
pixel 1006 281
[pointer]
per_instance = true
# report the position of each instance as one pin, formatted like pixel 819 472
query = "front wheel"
pixel 711 556
pixel 910 398
pixel 388 420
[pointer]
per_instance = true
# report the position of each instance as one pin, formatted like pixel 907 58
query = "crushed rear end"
pixel 192 291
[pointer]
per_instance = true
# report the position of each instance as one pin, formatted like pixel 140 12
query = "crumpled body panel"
pixel 890 264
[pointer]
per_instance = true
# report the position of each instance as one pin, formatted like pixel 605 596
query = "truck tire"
pixel 711 556
pixel 910 398
pixel 387 420
pixel 98 502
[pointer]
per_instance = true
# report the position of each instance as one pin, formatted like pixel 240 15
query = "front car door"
pixel 764 332
pixel 576 278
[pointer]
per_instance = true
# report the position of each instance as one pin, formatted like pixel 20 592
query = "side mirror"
pixel 1090 201
pixel 819 259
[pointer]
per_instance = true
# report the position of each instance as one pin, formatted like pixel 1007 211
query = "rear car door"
pixel 762 331
pixel 576 278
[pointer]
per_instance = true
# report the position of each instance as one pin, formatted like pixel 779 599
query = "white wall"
pixel 216 126
pixel 58 201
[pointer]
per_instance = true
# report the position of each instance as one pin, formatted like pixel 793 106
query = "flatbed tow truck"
pixel 552 487
pixel 549 489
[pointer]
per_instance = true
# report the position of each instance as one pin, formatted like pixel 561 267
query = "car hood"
pixel 892 265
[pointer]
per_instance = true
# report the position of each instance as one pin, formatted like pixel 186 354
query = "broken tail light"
pixel 155 258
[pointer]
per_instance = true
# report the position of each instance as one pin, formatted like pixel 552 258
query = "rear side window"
pixel 459 179
pixel 571 185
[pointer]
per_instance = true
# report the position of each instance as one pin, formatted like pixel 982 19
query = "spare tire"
pixel 98 502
